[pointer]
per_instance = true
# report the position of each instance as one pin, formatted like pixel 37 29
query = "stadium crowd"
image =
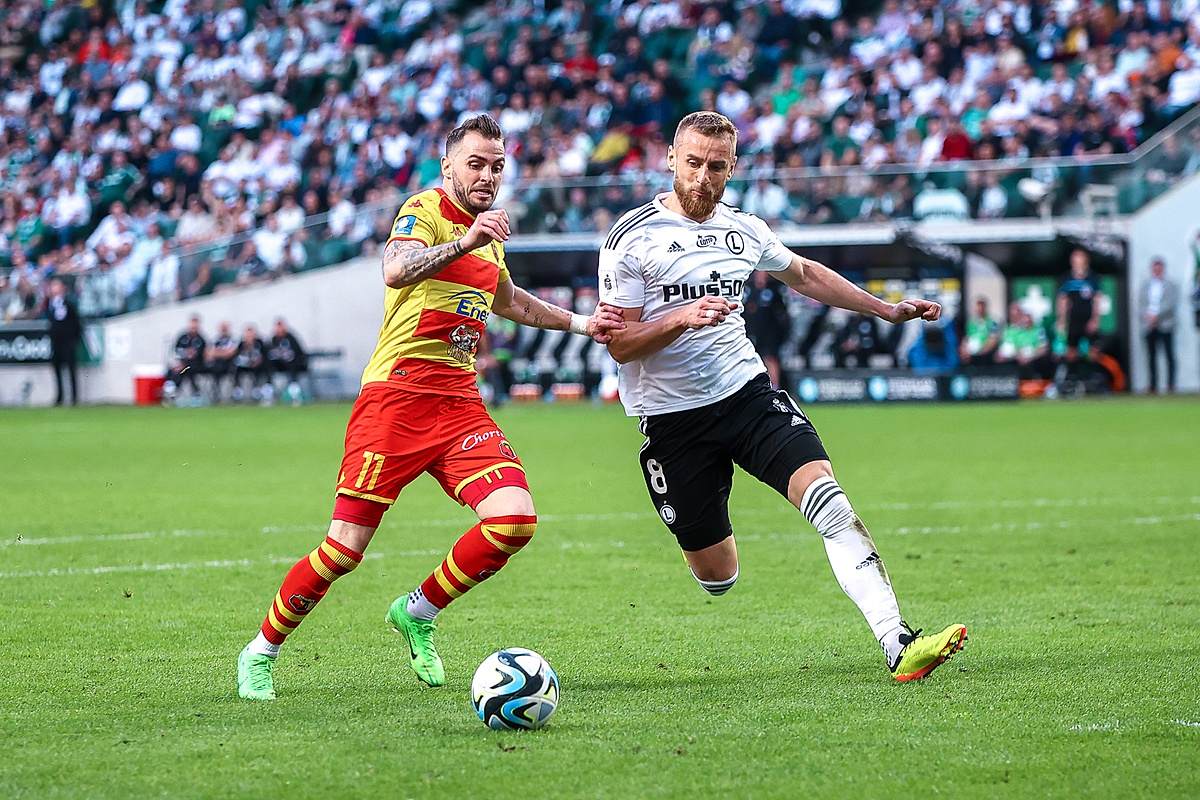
pixel 162 150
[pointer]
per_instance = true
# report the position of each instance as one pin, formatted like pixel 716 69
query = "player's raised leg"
pixel 305 584
pixel 507 521
pixel 860 572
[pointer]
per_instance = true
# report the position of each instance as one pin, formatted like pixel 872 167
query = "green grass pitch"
pixel 139 549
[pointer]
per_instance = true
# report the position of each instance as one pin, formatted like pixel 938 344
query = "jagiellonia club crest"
pixel 463 341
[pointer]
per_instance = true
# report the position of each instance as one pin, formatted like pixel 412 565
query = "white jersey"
pixel 658 261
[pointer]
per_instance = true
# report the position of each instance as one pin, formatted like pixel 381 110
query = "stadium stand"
pixel 154 151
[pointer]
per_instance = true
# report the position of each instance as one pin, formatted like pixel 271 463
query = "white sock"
pixel 718 588
pixel 261 647
pixel 856 564
pixel 419 606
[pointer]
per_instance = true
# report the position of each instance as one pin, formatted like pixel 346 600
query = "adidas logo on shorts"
pixel 675 248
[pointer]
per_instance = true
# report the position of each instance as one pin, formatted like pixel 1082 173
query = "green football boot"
pixel 923 654
pixel 256 680
pixel 419 634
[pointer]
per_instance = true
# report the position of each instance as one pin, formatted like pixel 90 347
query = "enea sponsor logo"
pixel 716 286
pixel 472 304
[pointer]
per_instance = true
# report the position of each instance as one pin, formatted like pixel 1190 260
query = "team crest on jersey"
pixel 506 450
pixel 463 341
pixel 735 242
pixel 404 225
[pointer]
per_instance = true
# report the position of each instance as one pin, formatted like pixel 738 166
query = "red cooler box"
pixel 148 382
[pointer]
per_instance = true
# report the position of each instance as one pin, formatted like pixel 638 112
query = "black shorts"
pixel 688 457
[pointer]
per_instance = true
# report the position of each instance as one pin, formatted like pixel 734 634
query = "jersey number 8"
pixel 658 481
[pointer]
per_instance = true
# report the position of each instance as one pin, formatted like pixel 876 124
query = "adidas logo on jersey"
pixel 675 247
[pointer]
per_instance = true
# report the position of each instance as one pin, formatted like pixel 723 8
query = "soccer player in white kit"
pixel 675 268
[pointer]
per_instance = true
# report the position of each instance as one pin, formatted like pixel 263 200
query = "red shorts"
pixel 395 434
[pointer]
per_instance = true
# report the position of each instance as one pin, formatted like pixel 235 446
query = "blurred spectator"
pixel 981 337
pixel 187 363
pixel 936 349
pixel 162 285
pixel 286 356
pixel 858 340
pixel 219 357
pixel 1157 301
pixel 767 320
pixel 251 361
pixel 1024 344
pixel 66 331
pixel 1077 317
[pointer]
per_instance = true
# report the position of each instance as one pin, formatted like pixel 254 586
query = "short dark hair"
pixel 483 125
pixel 708 123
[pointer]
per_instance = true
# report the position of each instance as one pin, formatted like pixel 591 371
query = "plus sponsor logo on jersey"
pixel 472 304
pixel 716 286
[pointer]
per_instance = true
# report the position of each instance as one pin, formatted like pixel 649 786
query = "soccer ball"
pixel 514 689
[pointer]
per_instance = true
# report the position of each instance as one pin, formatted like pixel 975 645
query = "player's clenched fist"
pixel 603 321
pixel 708 311
pixel 911 309
pixel 491 225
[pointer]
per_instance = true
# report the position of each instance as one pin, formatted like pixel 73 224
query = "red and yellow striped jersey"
pixel 431 328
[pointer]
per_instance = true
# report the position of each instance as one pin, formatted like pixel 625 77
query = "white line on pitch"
pixel 632 516
pixel 567 545
pixel 168 567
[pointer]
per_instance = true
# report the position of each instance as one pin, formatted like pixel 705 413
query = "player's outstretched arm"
pixel 639 339
pixel 815 280
pixel 409 261
pixel 513 302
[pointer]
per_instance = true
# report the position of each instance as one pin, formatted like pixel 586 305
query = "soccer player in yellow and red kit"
pixel 420 411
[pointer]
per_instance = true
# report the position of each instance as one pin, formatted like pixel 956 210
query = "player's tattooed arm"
pixel 513 302
pixel 409 262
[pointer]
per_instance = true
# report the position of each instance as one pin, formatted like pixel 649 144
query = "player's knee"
pixel 716 581
pixel 509 533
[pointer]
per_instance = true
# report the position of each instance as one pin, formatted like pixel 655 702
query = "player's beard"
pixel 697 207
pixel 464 197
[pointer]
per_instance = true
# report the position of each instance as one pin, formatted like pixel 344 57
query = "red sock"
pixel 305 585
pixel 476 556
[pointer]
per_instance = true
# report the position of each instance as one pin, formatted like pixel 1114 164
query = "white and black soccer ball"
pixel 514 689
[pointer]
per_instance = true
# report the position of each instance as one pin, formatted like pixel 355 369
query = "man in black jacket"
pixel 188 362
pixel 65 333
pixel 287 356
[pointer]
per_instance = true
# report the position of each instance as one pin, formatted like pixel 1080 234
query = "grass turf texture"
pixel 139 549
